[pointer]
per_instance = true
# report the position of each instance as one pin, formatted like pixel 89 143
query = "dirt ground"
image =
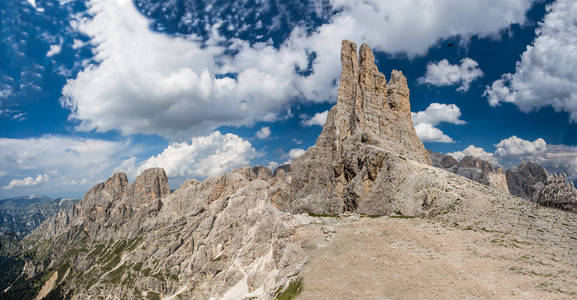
pixel 433 258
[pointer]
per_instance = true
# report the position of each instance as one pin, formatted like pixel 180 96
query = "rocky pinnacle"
pixel 370 112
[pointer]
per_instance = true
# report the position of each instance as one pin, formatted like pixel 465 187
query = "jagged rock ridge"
pixel 368 145
pixel 369 107
pixel 528 180
pixel 473 168
pixel 217 238
pixel 532 182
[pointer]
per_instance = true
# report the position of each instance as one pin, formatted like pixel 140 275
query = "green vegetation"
pixel 132 244
pixel 159 276
pixel 219 258
pixel 11 268
pixel 24 288
pixel 291 292
pixel 152 296
pixel 116 275
pixel 90 278
pixel 404 217
pixel 370 216
pixel 43 278
pixel 128 280
pixel 111 264
pixel 72 253
pixel 146 272
pixel 173 277
pixel 137 266
pixel 323 215
pixel 94 253
pixel 62 270
pixel 116 250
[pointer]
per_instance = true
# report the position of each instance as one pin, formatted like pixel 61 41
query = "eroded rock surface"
pixel 473 168
pixel 532 182
pixel 368 158
pixel 218 238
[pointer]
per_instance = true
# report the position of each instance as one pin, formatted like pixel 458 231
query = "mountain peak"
pixel 367 105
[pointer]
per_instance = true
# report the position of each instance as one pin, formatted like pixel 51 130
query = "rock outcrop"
pixel 217 238
pixel 532 182
pixel 368 145
pixel 473 168
pixel 527 180
pixel 370 108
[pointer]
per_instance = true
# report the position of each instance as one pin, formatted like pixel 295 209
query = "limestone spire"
pixel 368 105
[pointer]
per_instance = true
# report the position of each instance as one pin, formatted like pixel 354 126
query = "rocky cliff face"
pixel 532 182
pixel 217 238
pixel 473 168
pixel 527 180
pixel 369 107
pixel 368 146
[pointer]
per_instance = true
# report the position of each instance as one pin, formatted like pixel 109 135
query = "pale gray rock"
pixel 473 168
pixel 558 192
pixel 219 238
pixel 368 132
pixel 527 180
pixel 532 182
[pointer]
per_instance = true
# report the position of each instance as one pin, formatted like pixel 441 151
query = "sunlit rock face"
pixel 369 128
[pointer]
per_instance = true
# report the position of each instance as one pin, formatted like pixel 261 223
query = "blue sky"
pixel 91 87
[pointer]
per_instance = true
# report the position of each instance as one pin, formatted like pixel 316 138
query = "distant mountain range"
pixel 21 215
pixel 529 180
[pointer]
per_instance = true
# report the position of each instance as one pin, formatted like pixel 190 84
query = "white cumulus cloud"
pixel 318 119
pixel 436 113
pixel 292 155
pixel 148 82
pixel 296 153
pixel 28 181
pixel 428 133
pixel 54 50
pixel 443 73
pixel 546 75
pixel 477 152
pixel 203 156
pixel 515 146
pixel 263 133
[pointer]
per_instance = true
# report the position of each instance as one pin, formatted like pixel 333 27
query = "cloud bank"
pixel 546 75
pixel 28 181
pixel 151 83
pixel 66 161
